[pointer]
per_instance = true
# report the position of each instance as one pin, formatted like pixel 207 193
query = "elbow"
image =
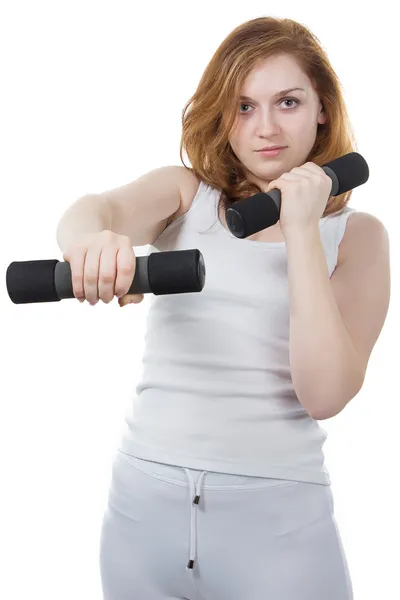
pixel 327 407
pixel 327 413
pixel 325 399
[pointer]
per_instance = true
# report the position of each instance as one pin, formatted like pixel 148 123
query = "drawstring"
pixel 194 499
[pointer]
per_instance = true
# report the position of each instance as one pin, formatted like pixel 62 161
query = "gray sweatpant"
pixel 176 533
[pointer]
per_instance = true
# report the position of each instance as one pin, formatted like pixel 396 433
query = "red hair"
pixel 207 126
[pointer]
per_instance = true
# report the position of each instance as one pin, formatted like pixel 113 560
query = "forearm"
pixel 89 214
pixel 324 364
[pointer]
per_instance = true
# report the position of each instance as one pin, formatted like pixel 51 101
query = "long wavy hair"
pixel 210 114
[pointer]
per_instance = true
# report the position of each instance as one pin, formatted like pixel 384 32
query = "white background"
pixel 91 98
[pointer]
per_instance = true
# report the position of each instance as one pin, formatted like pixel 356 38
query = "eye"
pixel 242 104
pixel 291 100
pixel 284 100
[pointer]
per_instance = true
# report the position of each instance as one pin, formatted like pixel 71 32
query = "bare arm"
pixel 140 209
pixel 89 214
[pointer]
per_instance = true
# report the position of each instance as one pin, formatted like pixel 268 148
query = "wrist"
pixel 300 230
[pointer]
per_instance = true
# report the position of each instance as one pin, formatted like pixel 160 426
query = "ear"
pixel 322 115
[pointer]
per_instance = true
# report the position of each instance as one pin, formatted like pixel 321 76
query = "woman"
pixel 219 490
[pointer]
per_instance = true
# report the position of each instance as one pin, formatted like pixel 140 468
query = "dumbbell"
pixel 172 272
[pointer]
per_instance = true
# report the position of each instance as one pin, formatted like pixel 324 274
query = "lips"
pixel 270 149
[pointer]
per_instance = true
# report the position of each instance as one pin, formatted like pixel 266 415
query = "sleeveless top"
pixel 216 392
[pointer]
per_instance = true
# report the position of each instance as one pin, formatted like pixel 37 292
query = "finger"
pixel 130 299
pixel 107 273
pixel 126 267
pixel 91 275
pixel 77 262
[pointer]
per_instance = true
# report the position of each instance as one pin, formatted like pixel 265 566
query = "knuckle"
pixel 126 267
pixel 76 275
pixel 107 277
pixel 90 277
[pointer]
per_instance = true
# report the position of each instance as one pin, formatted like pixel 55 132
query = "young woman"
pixel 219 489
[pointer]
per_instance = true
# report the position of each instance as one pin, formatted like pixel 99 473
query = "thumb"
pixel 130 299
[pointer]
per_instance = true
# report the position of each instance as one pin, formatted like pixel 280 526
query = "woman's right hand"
pixel 102 265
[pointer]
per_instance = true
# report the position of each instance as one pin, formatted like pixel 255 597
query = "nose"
pixel 268 124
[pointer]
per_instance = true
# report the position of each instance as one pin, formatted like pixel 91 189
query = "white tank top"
pixel 216 392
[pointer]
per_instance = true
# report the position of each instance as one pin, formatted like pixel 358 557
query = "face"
pixel 274 119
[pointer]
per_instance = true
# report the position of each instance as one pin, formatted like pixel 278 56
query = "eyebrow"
pixel 282 93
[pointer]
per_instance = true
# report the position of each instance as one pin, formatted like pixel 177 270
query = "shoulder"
pixel 188 185
pixel 362 230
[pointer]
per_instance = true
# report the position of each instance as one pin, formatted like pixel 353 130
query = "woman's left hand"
pixel 305 192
